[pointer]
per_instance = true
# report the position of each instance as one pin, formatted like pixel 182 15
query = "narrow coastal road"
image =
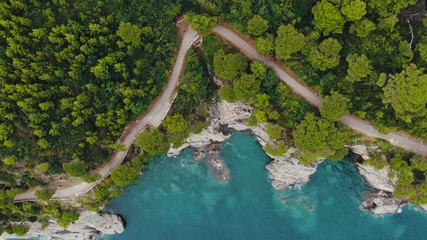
pixel 395 138
pixel 156 113
pixel 161 106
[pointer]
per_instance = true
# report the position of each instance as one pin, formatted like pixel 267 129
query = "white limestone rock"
pixel 286 171
pixel 222 113
pixel 383 203
pixel 90 226
pixel 377 178
pixel 105 223
pixel 361 150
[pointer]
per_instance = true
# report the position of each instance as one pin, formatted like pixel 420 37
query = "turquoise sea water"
pixel 176 198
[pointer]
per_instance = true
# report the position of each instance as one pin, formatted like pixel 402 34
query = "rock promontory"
pixel 285 171
pixel 90 226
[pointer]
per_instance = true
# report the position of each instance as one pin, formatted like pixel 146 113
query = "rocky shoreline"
pixel 286 171
pixel 380 200
pixel 90 226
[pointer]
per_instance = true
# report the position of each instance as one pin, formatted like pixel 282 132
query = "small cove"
pixel 177 198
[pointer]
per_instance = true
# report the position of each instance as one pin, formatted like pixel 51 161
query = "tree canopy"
pixel 327 18
pixel 153 141
pixel 319 136
pixel 326 55
pixel 229 66
pixel 354 10
pixel 288 41
pixel 406 92
pixel 247 87
pixel 129 33
pixel 358 67
pixel 257 25
pixel 202 23
pixel 265 45
pixel 175 123
pixel 363 27
pixel 126 174
pixel 334 106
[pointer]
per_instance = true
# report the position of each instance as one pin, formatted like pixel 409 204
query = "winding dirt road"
pixel 156 113
pixel 161 106
pixel 395 138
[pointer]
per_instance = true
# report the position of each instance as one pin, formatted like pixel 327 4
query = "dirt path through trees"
pixel 153 117
pixel 395 138
pixel 160 108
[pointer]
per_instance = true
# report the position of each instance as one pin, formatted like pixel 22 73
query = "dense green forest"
pixel 361 49
pixel 73 74
pixel 367 58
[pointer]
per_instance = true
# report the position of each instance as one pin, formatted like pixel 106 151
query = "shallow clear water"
pixel 177 198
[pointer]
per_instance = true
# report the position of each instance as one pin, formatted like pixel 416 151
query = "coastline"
pixel 90 226
pixel 286 171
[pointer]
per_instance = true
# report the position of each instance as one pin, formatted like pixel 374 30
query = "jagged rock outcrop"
pixel 286 171
pixel 383 203
pixel 377 178
pixel 90 226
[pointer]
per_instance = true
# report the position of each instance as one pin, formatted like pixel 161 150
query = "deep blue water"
pixel 177 198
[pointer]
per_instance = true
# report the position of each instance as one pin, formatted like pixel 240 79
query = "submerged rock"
pixel 383 203
pixel 219 169
pixel 90 226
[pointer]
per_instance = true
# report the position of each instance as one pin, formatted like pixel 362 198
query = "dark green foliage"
pixel 130 33
pixel 226 92
pixel 126 174
pixel 327 18
pixel 362 28
pixel 265 45
pixel 20 229
pixel 274 131
pixel 257 25
pixel 175 124
pixel 375 160
pixel 75 168
pixel 326 55
pixel 334 106
pixel 247 87
pixel 353 10
pixel 406 92
pixel 203 24
pixel 276 149
pixel 73 74
pixel 195 84
pixel 358 67
pixel 288 41
pixel 229 66
pixel 67 217
pixel 44 194
pixel 319 137
pixel 411 178
pixel 152 141
pixel 91 177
